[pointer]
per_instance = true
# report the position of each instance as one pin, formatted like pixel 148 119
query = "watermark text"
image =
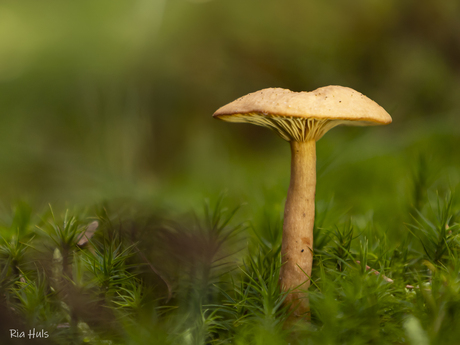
pixel 29 334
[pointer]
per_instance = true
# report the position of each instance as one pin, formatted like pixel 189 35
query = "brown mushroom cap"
pixel 303 116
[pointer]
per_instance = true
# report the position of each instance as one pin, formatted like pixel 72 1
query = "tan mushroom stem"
pixel 299 217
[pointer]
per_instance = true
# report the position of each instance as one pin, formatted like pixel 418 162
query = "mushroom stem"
pixel 299 217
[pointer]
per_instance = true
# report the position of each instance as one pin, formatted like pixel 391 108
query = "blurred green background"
pixel 112 100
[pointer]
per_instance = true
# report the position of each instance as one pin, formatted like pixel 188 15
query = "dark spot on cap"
pixel 301 251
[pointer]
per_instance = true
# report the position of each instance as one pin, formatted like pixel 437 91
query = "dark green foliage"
pixel 144 279
pixel 15 237
pixel 436 231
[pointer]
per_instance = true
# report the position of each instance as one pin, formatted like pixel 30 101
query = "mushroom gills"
pixel 289 128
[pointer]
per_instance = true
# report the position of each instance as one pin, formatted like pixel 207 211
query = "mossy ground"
pixel 385 272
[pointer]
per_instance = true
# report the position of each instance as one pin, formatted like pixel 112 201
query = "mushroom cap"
pixel 303 116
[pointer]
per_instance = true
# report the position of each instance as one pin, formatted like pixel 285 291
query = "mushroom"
pixel 302 118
